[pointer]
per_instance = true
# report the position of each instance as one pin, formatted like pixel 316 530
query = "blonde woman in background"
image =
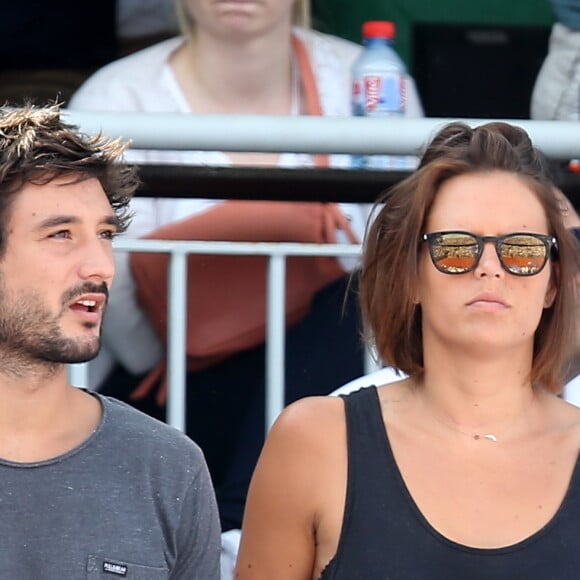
pixel 251 57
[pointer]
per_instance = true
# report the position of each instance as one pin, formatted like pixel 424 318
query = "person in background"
pixel 571 390
pixel 469 467
pixel 90 485
pixel 556 93
pixel 232 58
pixel 556 96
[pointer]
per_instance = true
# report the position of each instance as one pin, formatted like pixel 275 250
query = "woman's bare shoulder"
pixel 564 421
pixel 570 415
pixel 308 419
pixel 302 462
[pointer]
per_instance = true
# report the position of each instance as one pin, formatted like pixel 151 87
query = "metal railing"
pixel 277 254
pixel 303 134
pixel 172 131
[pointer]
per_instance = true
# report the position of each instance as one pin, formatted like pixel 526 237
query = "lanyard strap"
pixel 309 89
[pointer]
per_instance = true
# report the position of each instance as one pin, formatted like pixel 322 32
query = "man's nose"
pixel 96 261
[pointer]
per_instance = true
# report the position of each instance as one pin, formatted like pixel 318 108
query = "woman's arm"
pixel 285 499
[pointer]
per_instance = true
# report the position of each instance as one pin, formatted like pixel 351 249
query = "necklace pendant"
pixel 488 436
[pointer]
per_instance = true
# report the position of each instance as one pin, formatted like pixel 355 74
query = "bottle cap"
pixel 378 29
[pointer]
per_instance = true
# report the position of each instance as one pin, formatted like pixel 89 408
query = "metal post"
pixel 275 337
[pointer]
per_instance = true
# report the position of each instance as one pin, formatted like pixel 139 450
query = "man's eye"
pixel 60 234
pixel 109 234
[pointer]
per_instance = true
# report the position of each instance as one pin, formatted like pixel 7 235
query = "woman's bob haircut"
pixel 389 273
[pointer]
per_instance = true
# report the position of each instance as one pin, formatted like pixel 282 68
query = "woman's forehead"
pixel 490 203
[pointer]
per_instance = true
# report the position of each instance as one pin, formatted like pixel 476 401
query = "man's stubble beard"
pixel 29 332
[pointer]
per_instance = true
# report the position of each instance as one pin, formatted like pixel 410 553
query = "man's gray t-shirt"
pixel 135 500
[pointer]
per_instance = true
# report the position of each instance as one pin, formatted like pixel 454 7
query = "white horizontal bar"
pixel 302 134
pixel 237 248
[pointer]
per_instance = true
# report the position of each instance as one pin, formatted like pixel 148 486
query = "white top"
pixel 572 391
pixel 144 81
pixel 389 374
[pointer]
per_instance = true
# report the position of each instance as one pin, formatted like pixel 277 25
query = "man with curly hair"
pixel 90 487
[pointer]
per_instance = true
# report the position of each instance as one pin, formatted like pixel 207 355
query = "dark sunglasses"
pixel 520 253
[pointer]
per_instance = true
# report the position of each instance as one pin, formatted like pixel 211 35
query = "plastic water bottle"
pixel 379 87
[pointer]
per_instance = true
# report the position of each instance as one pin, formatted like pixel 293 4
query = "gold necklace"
pixel 489 436
pixel 476 436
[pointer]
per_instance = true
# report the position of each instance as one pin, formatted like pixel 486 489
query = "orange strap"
pixel 313 107
pixel 309 88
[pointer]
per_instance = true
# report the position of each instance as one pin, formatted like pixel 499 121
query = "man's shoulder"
pixel 126 425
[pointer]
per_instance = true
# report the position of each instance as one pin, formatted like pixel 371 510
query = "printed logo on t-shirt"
pixel 113 568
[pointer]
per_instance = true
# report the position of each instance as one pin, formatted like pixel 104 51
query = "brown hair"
pixel 389 274
pixel 300 16
pixel 36 146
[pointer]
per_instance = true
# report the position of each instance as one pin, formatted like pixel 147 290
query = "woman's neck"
pixel 226 78
pixel 477 396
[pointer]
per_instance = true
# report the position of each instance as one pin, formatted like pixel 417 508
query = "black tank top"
pixel 385 537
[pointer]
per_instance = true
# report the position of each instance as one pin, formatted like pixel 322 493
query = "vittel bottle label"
pixel 384 94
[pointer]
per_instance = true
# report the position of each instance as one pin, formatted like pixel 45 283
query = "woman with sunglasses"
pixel 468 468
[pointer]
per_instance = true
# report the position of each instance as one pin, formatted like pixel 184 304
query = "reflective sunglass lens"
pixel 523 255
pixel 454 253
